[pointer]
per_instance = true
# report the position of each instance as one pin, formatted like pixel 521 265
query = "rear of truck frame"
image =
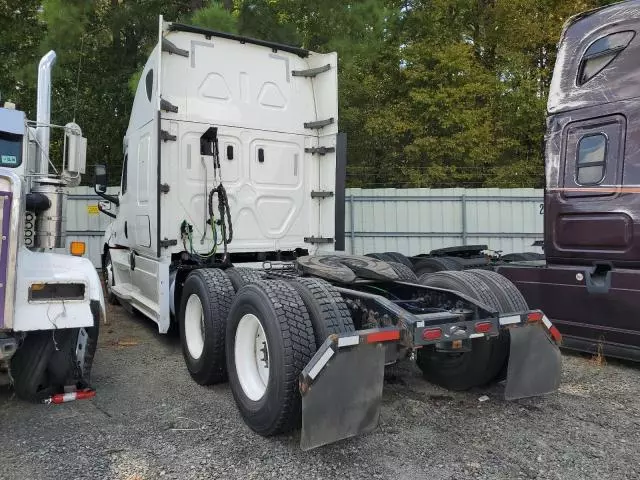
pixel 225 229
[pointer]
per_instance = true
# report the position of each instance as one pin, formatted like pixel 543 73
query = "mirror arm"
pixel 111 198
pixel 109 214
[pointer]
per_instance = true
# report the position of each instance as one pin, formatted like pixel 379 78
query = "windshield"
pixel 10 150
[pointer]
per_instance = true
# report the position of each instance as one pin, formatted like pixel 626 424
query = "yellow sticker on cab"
pixel 93 209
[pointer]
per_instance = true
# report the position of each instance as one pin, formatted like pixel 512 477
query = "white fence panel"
pixel 414 221
pixel 410 221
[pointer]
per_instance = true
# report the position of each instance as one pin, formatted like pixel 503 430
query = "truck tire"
pixel 29 367
pixel 240 276
pixel 400 258
pixel 436 264
pixel 509 297
pixel 205 302
pixel 45 362
pixel 380 256
pixel 327 309
pixel 109 279
pixel 269 341
pixel 511 301
pixel 462 371
pixel 405 274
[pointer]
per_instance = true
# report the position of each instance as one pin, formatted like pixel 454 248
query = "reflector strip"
pixel 510 320
pixel 315 370
pixel 555 334
pixel 535 317
pixel 70 397
pixel 420 324
pixel 348 341
pixel 476 335
pixel 553 330
pixel 387 336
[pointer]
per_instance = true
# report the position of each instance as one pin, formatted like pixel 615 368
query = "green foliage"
pixel 21 28
pixel 432 92
pixel 216 17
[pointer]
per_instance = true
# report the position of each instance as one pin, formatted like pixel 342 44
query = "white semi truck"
pixel 225 227
pixel 51 304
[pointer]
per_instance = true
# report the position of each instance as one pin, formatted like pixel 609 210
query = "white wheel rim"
pixel 194 326
pixel 251 354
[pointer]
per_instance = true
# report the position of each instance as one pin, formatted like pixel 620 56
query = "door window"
pixel 591 162
pixel 124 175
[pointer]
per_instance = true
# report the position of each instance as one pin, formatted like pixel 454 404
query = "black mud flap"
pixel 535 363
pixel 341 391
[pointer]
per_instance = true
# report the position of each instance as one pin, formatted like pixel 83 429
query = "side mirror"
pixel 76 149
pixel 100 178
pixel 100 184
pixel 105 208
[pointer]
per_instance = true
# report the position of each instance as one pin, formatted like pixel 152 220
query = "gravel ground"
pixel 149 420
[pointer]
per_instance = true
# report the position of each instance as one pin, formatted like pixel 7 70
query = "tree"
pixel 21 30
pixel 432 92
pixel 101 45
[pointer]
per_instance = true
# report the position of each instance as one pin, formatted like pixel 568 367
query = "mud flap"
pixel 535 363
pixel 341 393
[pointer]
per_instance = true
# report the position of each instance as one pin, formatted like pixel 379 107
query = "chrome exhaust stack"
pixel 43 115
pixel 50 225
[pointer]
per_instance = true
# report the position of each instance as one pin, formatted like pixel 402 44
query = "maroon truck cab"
pixel 590 284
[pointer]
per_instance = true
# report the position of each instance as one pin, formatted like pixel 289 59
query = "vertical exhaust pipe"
pixel 43 115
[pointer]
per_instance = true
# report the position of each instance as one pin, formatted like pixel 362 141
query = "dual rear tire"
pixel 259 335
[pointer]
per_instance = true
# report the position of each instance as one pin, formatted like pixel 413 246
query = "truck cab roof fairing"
pixel 617 80
pixel 179 27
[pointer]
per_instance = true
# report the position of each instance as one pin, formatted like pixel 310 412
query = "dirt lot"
pixel 150 420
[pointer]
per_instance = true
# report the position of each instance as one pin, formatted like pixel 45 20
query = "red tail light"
pixel 431 334
pixel 483 327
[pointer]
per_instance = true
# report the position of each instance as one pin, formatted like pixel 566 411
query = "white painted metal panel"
pixel 250 94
